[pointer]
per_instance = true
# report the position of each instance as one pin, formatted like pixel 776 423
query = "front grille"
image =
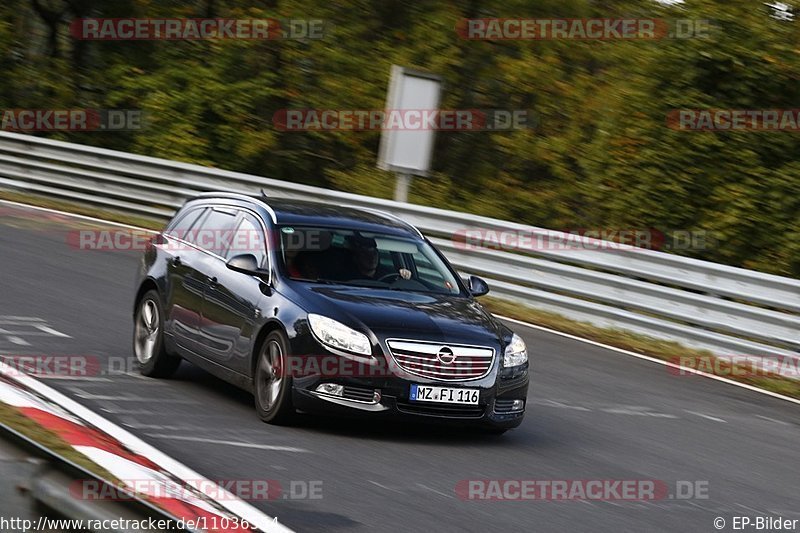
pixel 358 393
pixel 443 362
pixel 449 411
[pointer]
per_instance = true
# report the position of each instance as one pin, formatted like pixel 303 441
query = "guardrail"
pixel 701 304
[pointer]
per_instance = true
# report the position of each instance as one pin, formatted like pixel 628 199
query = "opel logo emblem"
pixel 446 355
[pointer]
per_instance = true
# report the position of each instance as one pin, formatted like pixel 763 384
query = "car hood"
pixel 411 315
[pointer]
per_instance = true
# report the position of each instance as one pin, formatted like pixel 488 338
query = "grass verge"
pixel 82 209
pixel 13 418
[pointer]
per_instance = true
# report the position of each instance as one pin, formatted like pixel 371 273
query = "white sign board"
pixel 408 150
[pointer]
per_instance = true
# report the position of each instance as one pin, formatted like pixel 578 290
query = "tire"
pixel 148 339
pixel 272 386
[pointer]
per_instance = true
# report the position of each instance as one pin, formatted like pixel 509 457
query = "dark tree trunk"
pixel 51 16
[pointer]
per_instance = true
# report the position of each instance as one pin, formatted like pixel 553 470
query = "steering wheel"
pixel 394 276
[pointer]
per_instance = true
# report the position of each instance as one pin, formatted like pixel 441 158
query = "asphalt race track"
pixel 593 414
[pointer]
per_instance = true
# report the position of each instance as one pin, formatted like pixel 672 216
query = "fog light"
pixel 331 388
pixel 518 405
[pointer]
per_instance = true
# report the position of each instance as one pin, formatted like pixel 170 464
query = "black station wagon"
pixel 322 308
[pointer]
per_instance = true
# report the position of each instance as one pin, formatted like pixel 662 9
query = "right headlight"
pixel 337 335
pixel 516 352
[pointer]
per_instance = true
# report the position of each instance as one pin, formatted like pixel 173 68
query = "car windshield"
pixel 363 259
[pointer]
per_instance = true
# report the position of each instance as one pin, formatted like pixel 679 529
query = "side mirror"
pixel 477 287
pixel 244 263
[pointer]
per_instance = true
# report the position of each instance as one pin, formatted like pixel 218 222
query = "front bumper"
pixel 492 411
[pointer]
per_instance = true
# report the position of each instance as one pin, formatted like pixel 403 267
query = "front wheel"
pixel 272 384
pixel 148 339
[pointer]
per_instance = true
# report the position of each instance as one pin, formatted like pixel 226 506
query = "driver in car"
pixel 365 257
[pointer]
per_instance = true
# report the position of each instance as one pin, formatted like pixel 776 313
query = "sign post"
pixel 401 187
pixel 408 152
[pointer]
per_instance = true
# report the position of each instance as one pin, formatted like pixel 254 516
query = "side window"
pixel 385 261
pixel 180 227
pixel 248 239
pixel 215 231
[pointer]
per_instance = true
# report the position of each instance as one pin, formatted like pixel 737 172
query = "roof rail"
pixel 240 196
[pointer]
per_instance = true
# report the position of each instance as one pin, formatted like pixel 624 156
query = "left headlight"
pixel 337 335
pixel 516 352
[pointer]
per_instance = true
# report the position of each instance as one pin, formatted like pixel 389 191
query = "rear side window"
pixel 215 231
pixel 182 224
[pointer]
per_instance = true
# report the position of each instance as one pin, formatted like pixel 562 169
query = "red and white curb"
pixel 126 456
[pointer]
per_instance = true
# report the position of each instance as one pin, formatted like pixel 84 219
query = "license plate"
pixel 425 393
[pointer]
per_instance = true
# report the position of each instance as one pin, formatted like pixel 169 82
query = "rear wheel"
pixel 272 385
pixel 148 339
